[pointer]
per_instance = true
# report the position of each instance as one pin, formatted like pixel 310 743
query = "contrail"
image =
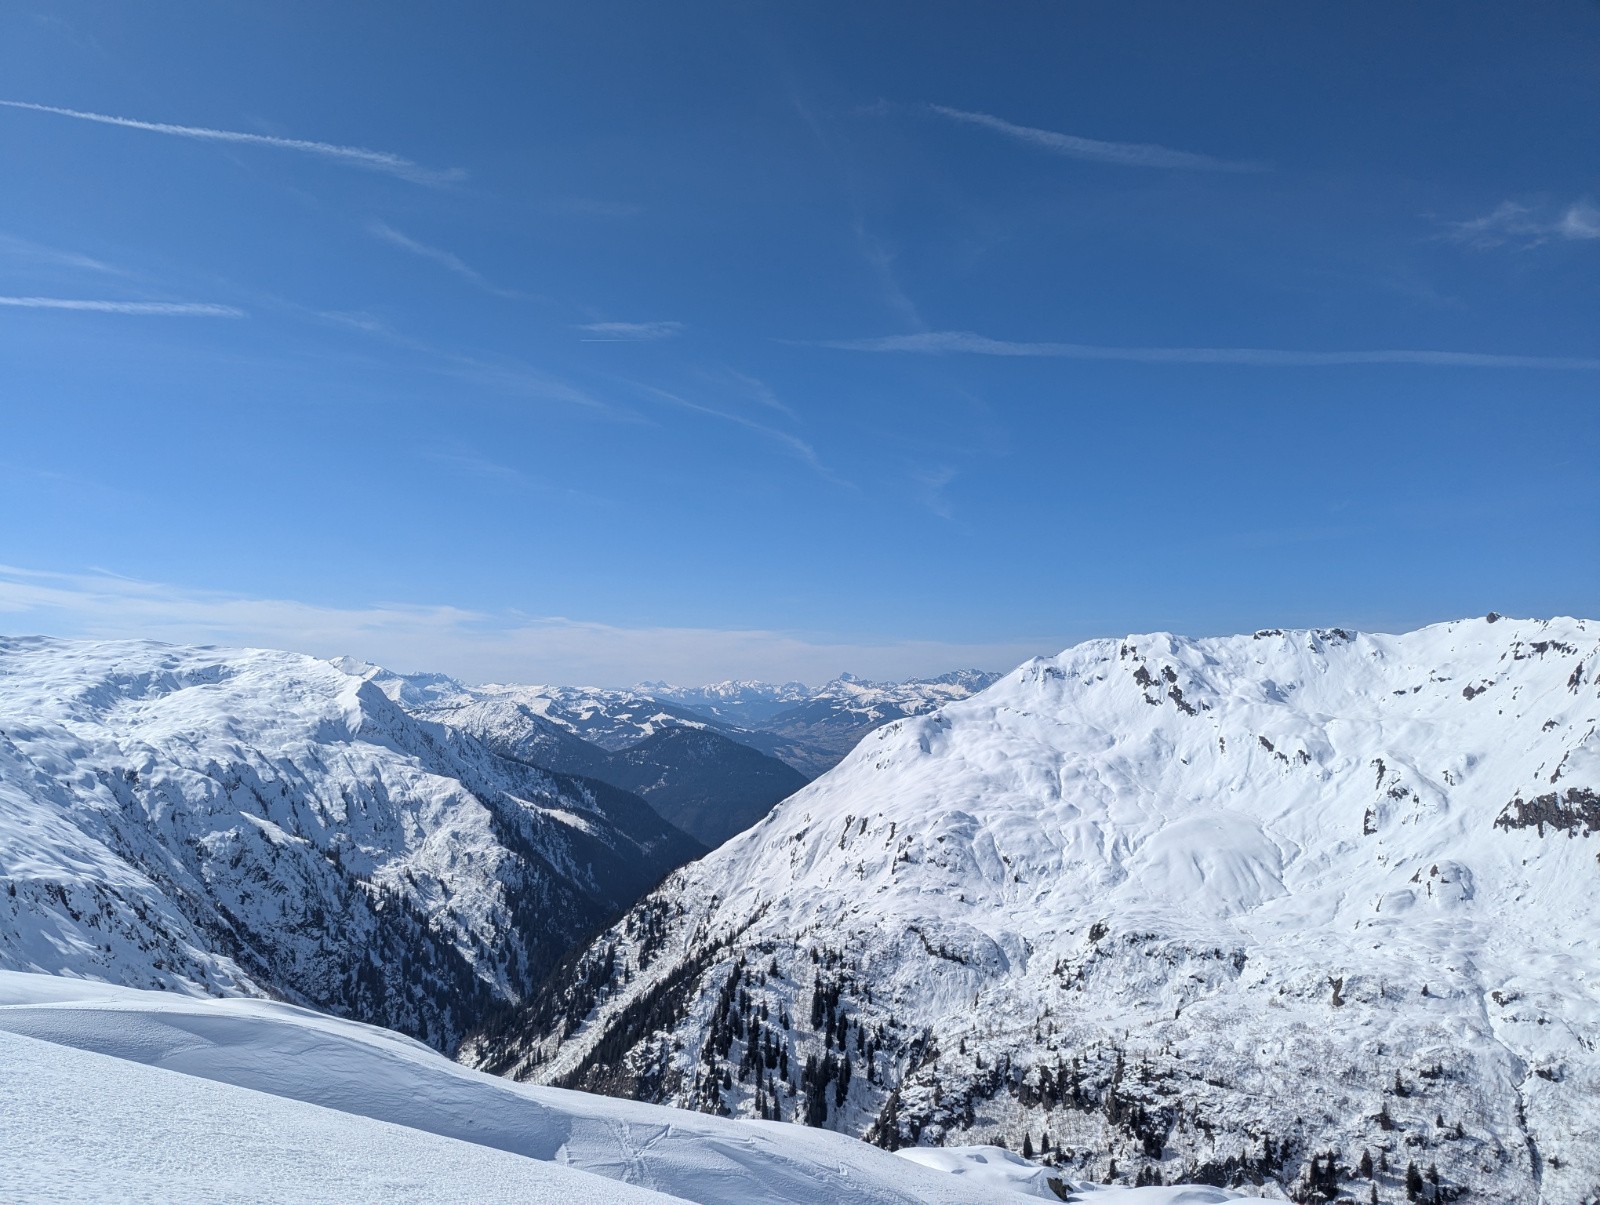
pixel 445 259
pixel 357 156
pixel 1125 154
pixel 614 332
pixel 188 309
pixel 938 342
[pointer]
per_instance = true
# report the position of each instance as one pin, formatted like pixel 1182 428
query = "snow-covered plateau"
pixel 113 1094
pixel 1306 909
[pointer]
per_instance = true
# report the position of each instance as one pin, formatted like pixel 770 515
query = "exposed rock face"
pixel 1252 908
pixel 1573 812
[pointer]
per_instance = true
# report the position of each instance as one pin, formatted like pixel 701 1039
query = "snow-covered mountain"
pixel 1312 908
pixel 809 729
pixel 709 779
pixel 747 703
pixel 115 1094
pixel 814 729
pixel 836 717
pixel 611 719
pixel 263 823
pixel 759 705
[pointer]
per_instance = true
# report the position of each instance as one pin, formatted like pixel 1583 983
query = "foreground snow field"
pixel 79 1127
pixel 111 1093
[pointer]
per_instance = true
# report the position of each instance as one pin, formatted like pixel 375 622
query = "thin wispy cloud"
pixel 506 375
pixel 758 391
pixel 1526 226
pixel 353 156
pixel 802 450
pixel 1075 146
pixel 519 379
pixel 931 483
pixel 965 342
pixel 356 320
pixel 27 250
pixel 630 332
pixel 473 645
pixel 444 259
pixel 878 258
pixel 177 309
pixel 881 263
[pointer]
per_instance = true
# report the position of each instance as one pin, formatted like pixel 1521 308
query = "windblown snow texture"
pixel 1310 908
pixel 116 1094
pixel 262 823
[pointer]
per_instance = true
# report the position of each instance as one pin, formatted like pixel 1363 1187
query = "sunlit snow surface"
pixel 110 1093
pixel 990 1172
pixel 1270 873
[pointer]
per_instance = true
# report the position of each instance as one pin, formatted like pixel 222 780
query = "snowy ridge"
pixel 809 729
pixel 246 821
pixel 611 719
pixel 745 702
pixel 754 704
pixel 1276 908
pixel 838 715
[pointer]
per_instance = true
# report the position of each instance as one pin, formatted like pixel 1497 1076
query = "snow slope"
pixel 990 1171
pixel 117 1094
pixel 837 716
pixel 1230 910
pixel 263 823
pixel 78 1126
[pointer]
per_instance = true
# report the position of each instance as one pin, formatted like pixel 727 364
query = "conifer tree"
pixel 1413 1183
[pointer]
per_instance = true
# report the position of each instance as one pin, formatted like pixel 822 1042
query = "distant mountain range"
pixel 836 717
pixel 756 744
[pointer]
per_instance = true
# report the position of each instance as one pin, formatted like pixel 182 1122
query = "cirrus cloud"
pixel 1075 146
pixel 353 156
pixel 178 309
pixel 943 342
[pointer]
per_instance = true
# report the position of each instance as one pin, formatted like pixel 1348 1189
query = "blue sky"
pixel 619 341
